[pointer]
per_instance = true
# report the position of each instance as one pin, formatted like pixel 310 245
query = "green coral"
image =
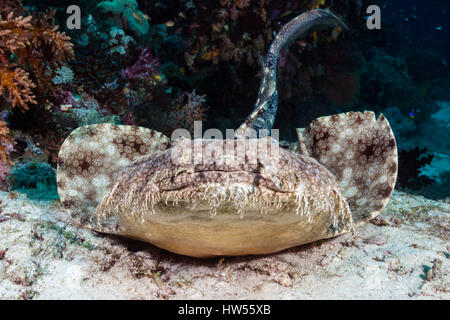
pixel 36 179
pixel 128 11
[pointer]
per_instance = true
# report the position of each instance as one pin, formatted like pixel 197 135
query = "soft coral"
pixel 144 67
pixel 38 47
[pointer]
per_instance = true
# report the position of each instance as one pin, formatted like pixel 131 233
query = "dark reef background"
pixel 165 64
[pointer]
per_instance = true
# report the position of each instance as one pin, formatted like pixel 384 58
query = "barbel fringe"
pixel 141 201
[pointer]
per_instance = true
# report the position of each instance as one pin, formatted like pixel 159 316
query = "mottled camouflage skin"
pixel 91 157
pixel 263 116
pixel 361 152
pixel 133 182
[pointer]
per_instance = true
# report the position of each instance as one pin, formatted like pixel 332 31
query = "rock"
pixel 378 240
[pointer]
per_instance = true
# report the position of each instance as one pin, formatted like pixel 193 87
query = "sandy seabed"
pixel 402 254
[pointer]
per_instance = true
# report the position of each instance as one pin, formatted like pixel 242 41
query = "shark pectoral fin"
pixel 361 152
pixel 90 159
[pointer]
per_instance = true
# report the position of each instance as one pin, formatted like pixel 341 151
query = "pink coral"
pixel 189 107
pixel 144 67
pixel 234 5
pixel 63 96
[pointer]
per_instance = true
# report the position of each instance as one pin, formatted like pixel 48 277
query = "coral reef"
pixel 237 30
pixel 442 116
pixel 10 6
pixel 386 82
pixel 145 67
pixel 127 10
pixel 79 110
pixel 410 163
pixel 6 146
pixel 188 108
pixel 92 71
pixel 165 114
pixel 31 50
pixel 14 81
pixel 118 42
pixel 63 75
pixel 36 179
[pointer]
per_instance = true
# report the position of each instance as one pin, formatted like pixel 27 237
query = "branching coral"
pixel 14 81
pixel 144 67
pixel 8 6
pixel 31 50
pixel 17 86
pixel 189 107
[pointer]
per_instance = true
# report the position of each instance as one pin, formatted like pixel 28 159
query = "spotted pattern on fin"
pixel 91 157
pixel 361 152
